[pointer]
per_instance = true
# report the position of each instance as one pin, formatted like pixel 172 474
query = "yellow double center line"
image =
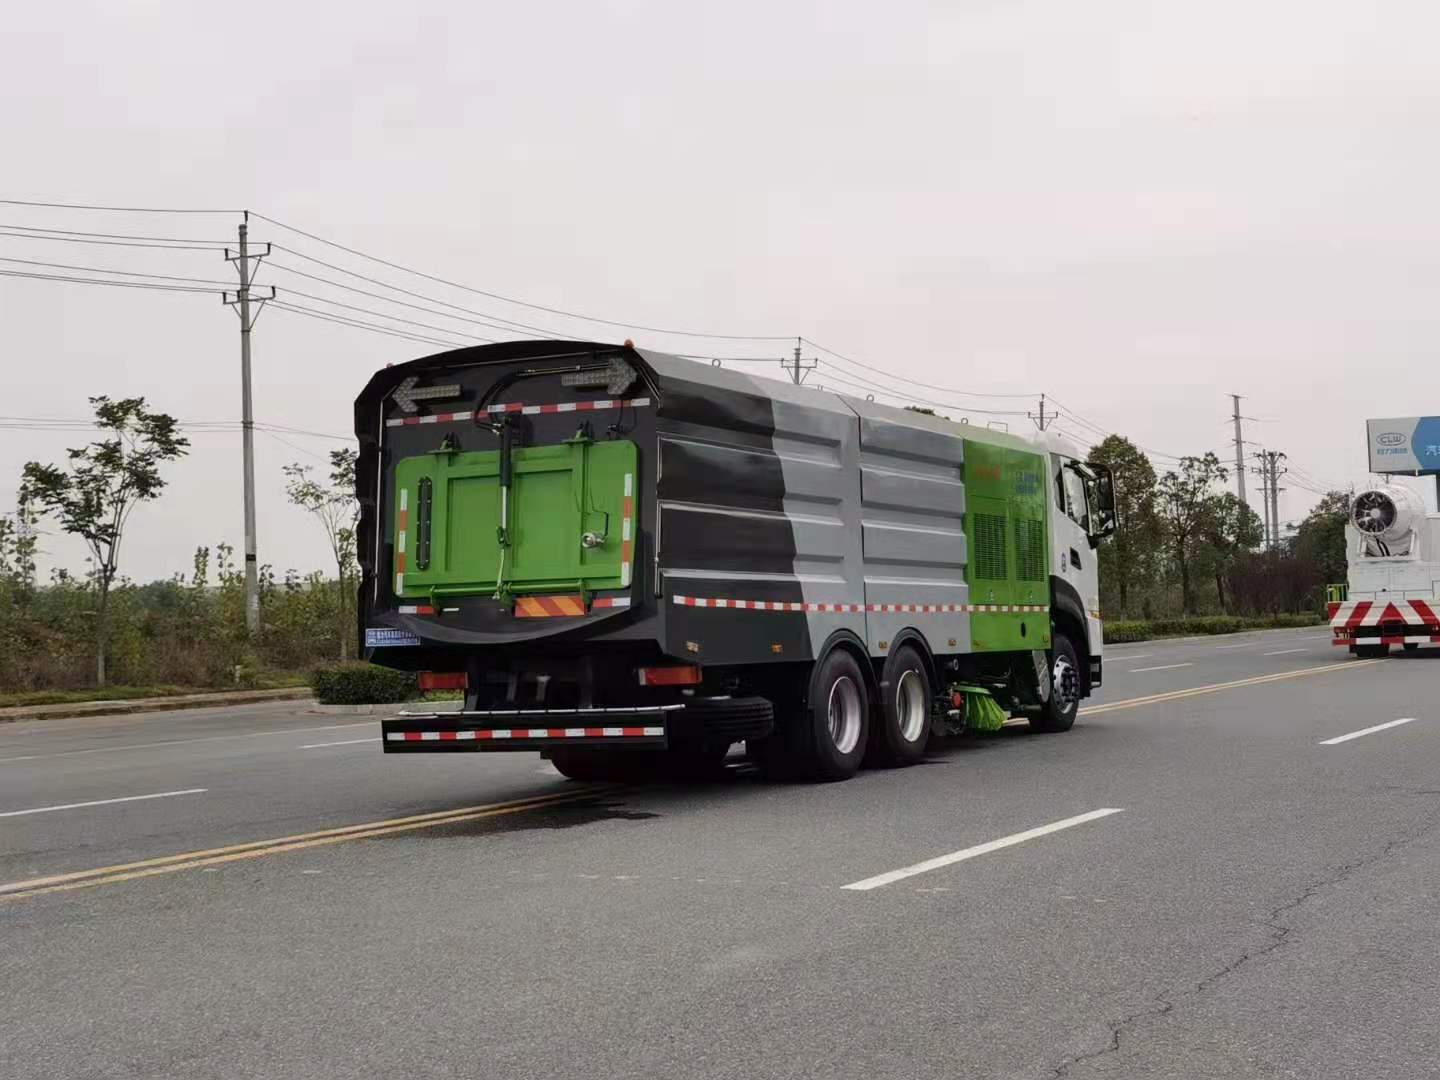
pixel 190 860
pixel 1215 688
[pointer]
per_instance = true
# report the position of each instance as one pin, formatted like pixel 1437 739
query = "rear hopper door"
pixel 565 525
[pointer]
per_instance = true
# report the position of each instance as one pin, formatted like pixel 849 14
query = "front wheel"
pixel 1058 714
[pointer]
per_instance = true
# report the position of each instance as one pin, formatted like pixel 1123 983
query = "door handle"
pixel 1075 558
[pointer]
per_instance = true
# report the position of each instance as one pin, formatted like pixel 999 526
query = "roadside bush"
pixel 1121 631
pixel 362 684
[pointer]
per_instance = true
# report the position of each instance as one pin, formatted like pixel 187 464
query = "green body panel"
pixel 557 494
pixel 1007 530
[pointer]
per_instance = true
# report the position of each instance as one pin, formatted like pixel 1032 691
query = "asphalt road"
pixel 1236 898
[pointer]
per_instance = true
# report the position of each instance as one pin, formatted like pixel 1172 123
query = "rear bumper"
pixel 527 729
pixel 1385 622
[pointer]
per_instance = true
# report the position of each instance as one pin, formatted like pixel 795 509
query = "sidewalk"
pixel 159 704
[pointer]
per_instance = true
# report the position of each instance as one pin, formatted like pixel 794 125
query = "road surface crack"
pixel 1278 934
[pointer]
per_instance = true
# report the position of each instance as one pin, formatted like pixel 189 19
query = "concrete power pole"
pixel 1264 473
pixel 1276 471
pixel 796 368
pixel 242 303
pixel 1239 450
pixel 1041 420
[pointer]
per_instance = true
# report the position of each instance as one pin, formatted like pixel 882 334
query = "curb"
pixel 71 710
pixel 386 710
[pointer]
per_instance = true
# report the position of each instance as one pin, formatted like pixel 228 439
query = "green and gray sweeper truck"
pixel 626 558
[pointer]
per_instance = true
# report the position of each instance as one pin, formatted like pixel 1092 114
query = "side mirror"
pixel 1103 493
pixel 1104 489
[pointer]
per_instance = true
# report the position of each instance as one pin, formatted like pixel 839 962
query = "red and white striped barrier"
pixel 517 407
pixel 496 734
pixel 1410 622
pixel 874 609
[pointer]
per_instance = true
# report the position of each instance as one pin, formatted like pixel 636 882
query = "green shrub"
pixel 362 684
pixel 1122 631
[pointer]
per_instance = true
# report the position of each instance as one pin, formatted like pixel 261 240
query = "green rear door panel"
pixel 1009 542
pixel 558 493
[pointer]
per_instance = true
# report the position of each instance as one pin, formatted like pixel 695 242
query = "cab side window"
pixel 1075 505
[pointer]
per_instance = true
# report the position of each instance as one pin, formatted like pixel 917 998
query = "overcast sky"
pixel 1137 208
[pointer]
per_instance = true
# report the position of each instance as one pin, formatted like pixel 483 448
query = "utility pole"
pixel 1276 471
pixel 241 303
pixel 1264 473
pixel 1041 420
pixel 1239 450
pixel 1270 471
pixel 796 368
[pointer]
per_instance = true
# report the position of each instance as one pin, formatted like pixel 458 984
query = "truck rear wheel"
pixel 615 766
pixel 1058 714
pixel 1372 652
pixel 901 731
pixel 826 740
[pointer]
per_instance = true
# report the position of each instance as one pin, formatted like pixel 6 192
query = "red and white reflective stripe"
pixel 416 609
pixel 875 609
pixel 627 514
pixel 522 409
pixel 495 734
pixel 1353 614
pixel 402 519
pixel 609 602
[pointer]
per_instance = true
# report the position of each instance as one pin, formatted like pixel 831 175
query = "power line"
pixel 379 296
pixel 393 318
pixel 108 270
pixel 864 384
pixel 106 243
pixel 101 281
pixel 517 302
pixel 902 378
pixel 110 236
pixel 419 296
pixel 298 309
pixel 116 209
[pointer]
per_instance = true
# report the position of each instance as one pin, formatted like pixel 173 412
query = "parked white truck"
pixel 1393 587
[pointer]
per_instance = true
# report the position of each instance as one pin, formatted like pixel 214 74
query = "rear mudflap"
pixel 528 729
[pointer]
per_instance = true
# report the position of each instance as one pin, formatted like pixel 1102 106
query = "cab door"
pixel 1074 560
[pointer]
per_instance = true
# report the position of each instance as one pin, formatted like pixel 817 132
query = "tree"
pixel 101 484
pixel 1187 503
pixel 337 510
pixel 1229 529
pixel 1320 540
pixel 1128 561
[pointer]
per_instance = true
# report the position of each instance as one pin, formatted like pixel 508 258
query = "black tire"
pixel 1412 646
pixel 827 739
pixel 614 766
pixel 1058 714
pixel 900 732
pixel 1372 652
pixel 716 720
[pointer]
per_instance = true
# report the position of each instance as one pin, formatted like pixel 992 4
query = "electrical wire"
pixel 115 209
pixel 520 303
pixel 273 265
pixel 869 385
pixel 928 386
pixel 101 281
pixel 108 243
pixel 298 309
pixel 393 318
pixel 419 296
pixel 107 270
pixel 59 233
